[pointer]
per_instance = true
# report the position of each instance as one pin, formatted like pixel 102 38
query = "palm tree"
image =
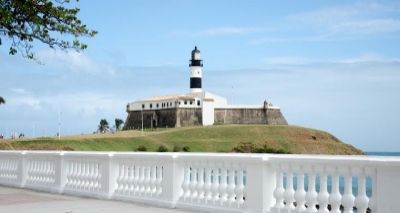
pixel 2 101
pixel 103 127
pixel 118 123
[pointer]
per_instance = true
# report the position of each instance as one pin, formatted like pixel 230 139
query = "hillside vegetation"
pixel 223 138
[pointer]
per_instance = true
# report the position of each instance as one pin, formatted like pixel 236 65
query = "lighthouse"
pixel 196 69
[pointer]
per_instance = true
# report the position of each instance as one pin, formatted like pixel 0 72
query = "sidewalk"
pixel 26 201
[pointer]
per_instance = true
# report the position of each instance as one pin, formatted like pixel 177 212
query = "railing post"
pixel 260 185
pixel 109 175
pixel 60 172
pixel 172 180
pixel 388 188
pixel 22 170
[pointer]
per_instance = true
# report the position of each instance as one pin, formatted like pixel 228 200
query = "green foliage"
pixel 2 101
pixel 118 124
pixel 46 21
pixel 177 148
pixel 162 148
pixel 141 149
pixel 103 126
pixel 248 147
pixel 186 149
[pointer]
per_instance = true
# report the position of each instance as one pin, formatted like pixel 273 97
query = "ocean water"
pixel 383 153
pixel 341 179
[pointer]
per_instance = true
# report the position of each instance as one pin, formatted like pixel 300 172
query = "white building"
pixel 198 107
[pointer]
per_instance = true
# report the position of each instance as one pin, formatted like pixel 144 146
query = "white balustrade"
pixel 8 169
pixel 84 176
pixel 41 171
pixel 214 182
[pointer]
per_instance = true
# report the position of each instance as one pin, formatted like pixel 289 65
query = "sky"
pixel 329 65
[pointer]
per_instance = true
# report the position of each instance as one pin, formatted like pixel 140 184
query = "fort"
pixel 197 108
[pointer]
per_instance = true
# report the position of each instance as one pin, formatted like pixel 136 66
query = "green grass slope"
pixel 223 138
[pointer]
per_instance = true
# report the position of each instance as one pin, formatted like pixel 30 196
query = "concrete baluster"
pixel 239 189
pixel 159 180
pixel 193 182
pixel 148 179
pixel 207 185
pixel 215 185
pixel 279 190
pixel 300 194
pixel 223 186
pixel 289 192
pixel 136 179
pixel 335 198
pixel 153 179
pixel 92 177
pixel 200 184
pixel 98 177
pixel 371 172
pixel 186 183
pixel 323 195
pixel 362 200
pixel 126 178
pixel 311 195
pixel 231 186
pixel 142 179
pixel 348 197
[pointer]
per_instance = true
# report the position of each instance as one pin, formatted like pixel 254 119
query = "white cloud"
pixel 269 40
pixel 19 90
pixel 86 102
pixel 74 61
pixel 369 57
pixel 367 26
pixel 344 22
pixel 219 31
pixel 286 60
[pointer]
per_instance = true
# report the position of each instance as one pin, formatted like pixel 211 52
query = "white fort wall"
pixel 213 182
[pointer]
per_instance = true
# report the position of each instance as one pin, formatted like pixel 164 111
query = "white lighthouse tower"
pixel 196 69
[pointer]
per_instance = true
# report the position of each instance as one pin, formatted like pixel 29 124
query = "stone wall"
pixel 163 118
pixel 249 116
pixel 151 119
pixel 275 117
pixel 183 117
pixel 189 117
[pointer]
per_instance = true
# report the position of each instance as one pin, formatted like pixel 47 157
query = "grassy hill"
pixel 223 138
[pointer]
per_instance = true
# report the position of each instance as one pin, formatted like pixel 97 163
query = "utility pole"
pixel 59 125
pixel 142 120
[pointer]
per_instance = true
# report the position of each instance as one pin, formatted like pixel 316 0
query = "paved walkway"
pixel 13 200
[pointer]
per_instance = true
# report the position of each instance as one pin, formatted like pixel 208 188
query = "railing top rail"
pixel 247 157
pixel 334 159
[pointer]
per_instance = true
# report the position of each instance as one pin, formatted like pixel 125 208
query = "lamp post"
pixel 142 120
pixel 59 125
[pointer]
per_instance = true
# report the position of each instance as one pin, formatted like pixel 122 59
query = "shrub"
pixel 186 149
pixel 245 147
pixel 177 148
pixel 162 148
pixel 248 147
pixel 141 149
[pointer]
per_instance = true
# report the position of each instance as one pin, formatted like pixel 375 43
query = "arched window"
pixel 198 102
